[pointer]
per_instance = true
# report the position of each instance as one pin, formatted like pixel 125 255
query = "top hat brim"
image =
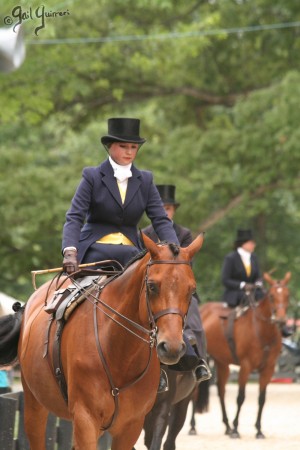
pixel 170 202
pixel 107 139
pixel 240 242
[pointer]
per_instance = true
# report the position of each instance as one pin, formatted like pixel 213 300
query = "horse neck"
pixel 125 292
pixel 264 306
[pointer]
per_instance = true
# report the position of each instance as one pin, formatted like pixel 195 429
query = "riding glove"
pixel 70 263
pixel 249 287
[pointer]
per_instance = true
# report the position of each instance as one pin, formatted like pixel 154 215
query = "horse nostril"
pixel 183 348
pixel 169 355
pixel 162 347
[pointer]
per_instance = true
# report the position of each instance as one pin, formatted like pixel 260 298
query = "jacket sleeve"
pixel 227 274
pixel 78 210
pixel 187 238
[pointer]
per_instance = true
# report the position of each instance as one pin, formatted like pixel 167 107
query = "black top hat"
pixel 167 193
pixel 123 130
pixel 243 236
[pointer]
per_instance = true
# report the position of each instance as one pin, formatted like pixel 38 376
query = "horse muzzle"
pixel 170 352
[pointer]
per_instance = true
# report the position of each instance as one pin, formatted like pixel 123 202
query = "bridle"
pixel 272 320
pixel 154 317
pixel 151 333
pixel 274 307
pixel 280 304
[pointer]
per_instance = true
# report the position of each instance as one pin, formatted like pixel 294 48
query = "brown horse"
pixel 256 346
pixel 107 356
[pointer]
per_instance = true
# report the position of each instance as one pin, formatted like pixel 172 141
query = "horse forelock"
pixel 175 249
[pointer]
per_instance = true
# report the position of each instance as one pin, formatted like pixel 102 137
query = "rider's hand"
pixel 249 287
pixel 70 263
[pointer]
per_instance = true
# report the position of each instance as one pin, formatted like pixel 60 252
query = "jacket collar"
pixel 110 181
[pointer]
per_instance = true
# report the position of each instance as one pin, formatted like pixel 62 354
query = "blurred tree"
pixel 218 96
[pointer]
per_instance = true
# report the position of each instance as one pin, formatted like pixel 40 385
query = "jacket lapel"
pixel 110 181
pixel 133 185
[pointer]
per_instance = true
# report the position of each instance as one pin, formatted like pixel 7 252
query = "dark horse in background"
pixel 169 410
pixel 107 352
pixel 255 345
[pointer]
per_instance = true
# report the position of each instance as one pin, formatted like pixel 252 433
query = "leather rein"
pixel 150 333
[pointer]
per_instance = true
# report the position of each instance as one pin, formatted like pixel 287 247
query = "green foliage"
pixel 219 110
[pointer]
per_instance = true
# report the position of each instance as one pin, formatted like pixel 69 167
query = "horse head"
pixel 170 284
pixel 279 296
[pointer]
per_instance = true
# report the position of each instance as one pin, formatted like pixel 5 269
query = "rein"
pixel 152 333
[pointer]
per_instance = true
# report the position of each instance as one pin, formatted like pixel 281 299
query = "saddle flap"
pixel 58 297
pixel 69 292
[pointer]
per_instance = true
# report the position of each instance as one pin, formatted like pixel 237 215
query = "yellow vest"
pixel 116 238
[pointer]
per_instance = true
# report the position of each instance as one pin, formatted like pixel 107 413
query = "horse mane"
pixel 175 249
pixel 138 256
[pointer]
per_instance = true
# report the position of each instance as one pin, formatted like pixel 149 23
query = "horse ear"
pixel 287 277
pixel 195 246
pixel 268 278
pixel 150 245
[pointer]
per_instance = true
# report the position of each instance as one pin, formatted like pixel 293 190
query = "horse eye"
pixel 192 291
pixel 152 288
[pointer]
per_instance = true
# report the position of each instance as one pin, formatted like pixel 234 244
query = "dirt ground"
pixel 280 421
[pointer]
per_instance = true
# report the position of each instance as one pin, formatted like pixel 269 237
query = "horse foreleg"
pixel 261 402
pixel 176 422
pixel 35 420
pixel 222 377
pixel 243 378
pixel 240 400
pixel 148 428
pixel 127 437
pixel 193 430
pixel 85 430
pixel 156 424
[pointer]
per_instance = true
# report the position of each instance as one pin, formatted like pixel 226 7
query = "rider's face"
pixel 123 153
